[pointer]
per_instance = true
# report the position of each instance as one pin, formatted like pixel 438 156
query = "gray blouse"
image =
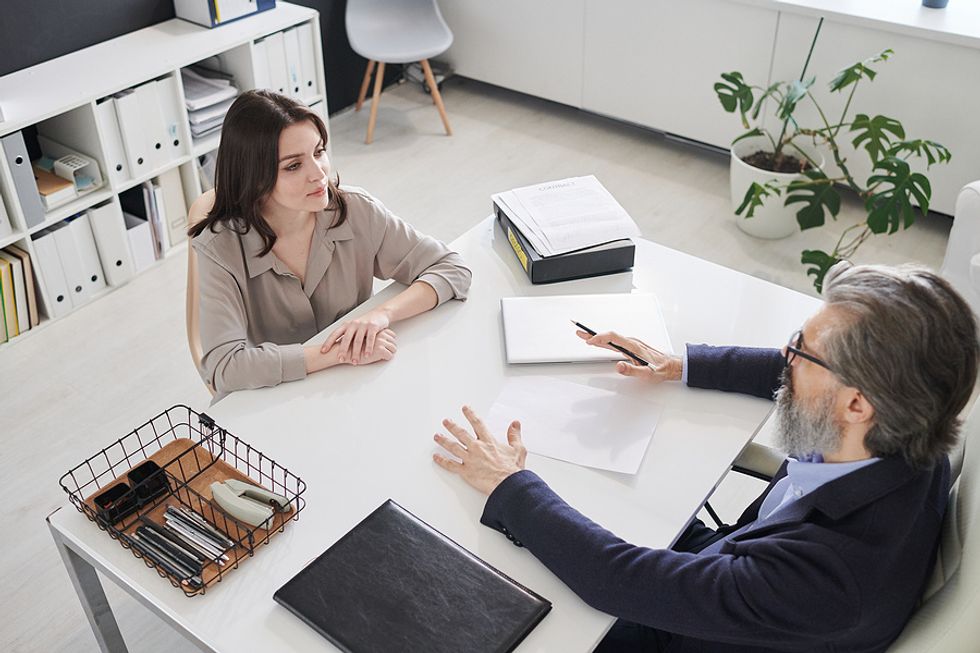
pixel 255 314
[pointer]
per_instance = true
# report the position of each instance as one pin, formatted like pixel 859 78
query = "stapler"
pixel 248 503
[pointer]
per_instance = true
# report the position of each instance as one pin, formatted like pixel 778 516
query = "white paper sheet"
pixel 540 329
pixel 576 423
pixel 568 214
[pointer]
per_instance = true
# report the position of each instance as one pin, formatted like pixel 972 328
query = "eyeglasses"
pixel 795 348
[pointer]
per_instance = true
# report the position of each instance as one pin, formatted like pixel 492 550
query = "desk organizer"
pixel 192 452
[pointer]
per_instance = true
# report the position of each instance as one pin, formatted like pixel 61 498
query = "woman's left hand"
pixel 356 338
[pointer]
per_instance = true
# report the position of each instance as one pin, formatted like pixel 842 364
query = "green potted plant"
pixel 783 172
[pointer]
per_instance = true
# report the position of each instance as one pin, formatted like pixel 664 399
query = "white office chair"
pixel 962 263
pixel 397 31
pixel 197 212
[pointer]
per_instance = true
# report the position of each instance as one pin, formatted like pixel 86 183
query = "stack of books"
pixel 18 301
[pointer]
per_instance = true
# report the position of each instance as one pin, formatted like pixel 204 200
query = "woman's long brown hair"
pixel 248 164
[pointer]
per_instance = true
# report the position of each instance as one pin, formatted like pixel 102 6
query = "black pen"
pixel 622 350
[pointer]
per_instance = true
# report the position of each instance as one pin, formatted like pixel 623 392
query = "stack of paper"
pixel 207 99
pixel 567 215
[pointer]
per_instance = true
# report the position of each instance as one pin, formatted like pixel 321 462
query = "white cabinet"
pixel 927 85
pixel 532 46
pixel 654 62
pixel 63 100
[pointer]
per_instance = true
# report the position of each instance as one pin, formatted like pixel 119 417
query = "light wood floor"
pixel 84 381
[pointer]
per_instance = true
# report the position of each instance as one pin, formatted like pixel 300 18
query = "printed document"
pixel 562 216
pixel 576 423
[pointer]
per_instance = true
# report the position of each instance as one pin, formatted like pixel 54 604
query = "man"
pixel 835 553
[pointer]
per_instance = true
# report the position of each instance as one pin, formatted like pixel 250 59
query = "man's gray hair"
pixel 908 342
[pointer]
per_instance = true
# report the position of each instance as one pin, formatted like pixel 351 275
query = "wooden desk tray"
pixel 192 452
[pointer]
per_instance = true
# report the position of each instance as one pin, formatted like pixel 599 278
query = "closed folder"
pixel 134 136
pixel 51 274
pixel 307 57
pixel 6 228
pixel 71 264
pixel 276 56
pixel 140 241
pixel 112 243
pixel 88 254
pixel 260 64
pixel 394 583
pixel 15 151
pixel 153 124
pixel 294 63
pixel 19 290
pixel 115 152
pixel 25 260
pixel 174 206
pixel 174 143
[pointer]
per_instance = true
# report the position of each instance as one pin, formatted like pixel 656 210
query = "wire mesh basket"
pixel 171 461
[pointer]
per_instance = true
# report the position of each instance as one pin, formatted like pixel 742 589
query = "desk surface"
pixel 358 436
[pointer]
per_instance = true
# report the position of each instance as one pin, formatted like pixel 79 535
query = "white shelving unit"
pixel 59 96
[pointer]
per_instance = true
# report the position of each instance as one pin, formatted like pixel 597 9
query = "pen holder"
pixel 172 460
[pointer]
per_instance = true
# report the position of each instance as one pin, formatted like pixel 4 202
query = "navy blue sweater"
pixel 841 569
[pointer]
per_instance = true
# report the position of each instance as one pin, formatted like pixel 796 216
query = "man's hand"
pixel 356 339
pixel 662 367
pixel 484 462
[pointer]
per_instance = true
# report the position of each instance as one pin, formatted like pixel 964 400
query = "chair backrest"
pixel 949 618
pixel 962 263
pixel 197 212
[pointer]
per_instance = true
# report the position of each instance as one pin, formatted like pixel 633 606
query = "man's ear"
pixel 857 410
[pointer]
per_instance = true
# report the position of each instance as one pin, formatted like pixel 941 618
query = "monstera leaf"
pixel 795 92
pixel 853 74
pixel 754 196
pixel 816 193
pixel 874 134
pixel 755 131
pixel 820 263
pixel 765 95
pixel 890 204
pixel 734 94
pixel 933 152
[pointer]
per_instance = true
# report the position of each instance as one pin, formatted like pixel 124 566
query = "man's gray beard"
pixel 802 430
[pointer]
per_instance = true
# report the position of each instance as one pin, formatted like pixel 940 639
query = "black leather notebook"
pixel 393 583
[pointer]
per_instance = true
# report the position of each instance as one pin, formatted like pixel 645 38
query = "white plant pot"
pixel 771 220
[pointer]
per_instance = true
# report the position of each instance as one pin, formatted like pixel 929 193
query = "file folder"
pixel 134 137
pixel 112 243
pixel 140 241
pixel 19 290
pixel 15 151
pixel 607 258
pixel 307 57
pixel 174 143
pixel 117 169
pixel 294 64
pixel 174 206
pixel 51 274
pixel 276 56
pixel 92 274
pixel 25 260
pixel 260 64
pixel 6 228
pixel 71 264
pixel 7 301
pixel 211 13
pixel 151 114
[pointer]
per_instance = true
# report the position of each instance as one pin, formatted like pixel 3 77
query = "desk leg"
pixel 94 602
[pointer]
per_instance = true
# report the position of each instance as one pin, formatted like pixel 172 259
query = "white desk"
pixel 358 436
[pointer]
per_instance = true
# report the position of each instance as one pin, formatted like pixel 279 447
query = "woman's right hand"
pixel 662 367
pixel 385 346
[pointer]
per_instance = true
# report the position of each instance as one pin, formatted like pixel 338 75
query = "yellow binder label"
pixel 521 256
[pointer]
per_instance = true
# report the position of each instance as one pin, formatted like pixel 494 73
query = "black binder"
pixel 393 583
pixel 607 258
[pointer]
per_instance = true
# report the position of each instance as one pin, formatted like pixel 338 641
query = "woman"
pixel 283 251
